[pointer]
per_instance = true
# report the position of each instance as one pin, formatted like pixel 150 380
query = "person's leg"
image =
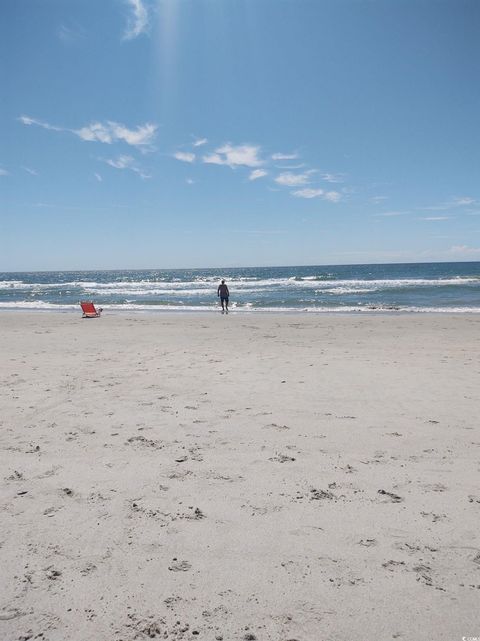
pixel 226 305
pixel 223 305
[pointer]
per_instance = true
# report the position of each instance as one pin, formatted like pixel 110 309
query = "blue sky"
pixel 196 133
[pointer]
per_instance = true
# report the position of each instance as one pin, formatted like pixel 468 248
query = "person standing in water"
pixel 224 294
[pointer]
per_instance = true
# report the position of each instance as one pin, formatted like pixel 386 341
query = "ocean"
pixel 413 287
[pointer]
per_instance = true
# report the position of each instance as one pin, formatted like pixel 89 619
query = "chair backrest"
pixel 88 307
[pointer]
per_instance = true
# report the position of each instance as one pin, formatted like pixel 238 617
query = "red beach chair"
pixel 89 310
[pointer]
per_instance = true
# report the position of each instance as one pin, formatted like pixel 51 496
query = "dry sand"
pixel 295 477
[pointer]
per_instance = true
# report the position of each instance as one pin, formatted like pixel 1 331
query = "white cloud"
pixel 297 166
pixel 30 171
pixel 284 156
pixel 4 172
pixel 122 162
pixel 106 132
pixel 333 178
pixel 65 34
pixel 26 120
pixel 184 156
pixel 332 196
pixel 70 34
pixel 435 218
pixel 378 199
pixel 460 201
pixel 198 142
pixel 291 180
pixel 138 21
pixel 98 177
pixel 235 156
pixel 190 181
pixel 213 159
pixel 126 162
pixel 308 193
pixel 464 250
pixel 111 132
pixel 257 173
pixel 463 200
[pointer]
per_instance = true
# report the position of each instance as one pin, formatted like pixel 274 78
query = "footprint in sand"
pixel 90 567
pixel 277 427
pixel 368 543
pixel 16 476
pixel 391 565
pixel 50 511
pixel 144 442
pixel 53 574
pixel 394 498
pixel 179 566
pixel 434 517
pixel 282 458
pixel 318 495
pixel 8 615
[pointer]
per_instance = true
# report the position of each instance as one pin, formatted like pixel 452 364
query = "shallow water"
pixel 420 287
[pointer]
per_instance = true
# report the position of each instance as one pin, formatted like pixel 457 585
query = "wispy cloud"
pixel 281 156
pixel 465 250
pixel 257 173
pixel 4 172
pixel 235 156
pixel 122 162
pixel 126 162
pixel 30 171
pixel 433 218
pixel 289 179
pixel 105 132
pixel 388 214
pixel 331 196
pixel 26 120
pixel 110 132
pixel 333 178
pixel 190 181
pixel 70 35
pixel 184 156
pixel 138 20
pixel 378 199
pixel 198 142
pixel 98 177
pixel 308 193
pixel 296 166
pixel 459 201
pixel 463 200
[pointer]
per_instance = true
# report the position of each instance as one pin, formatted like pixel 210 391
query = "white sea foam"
pixel 38 304
pixel 248 307
pixel 244 284
pixel 346 290
pixel 264 286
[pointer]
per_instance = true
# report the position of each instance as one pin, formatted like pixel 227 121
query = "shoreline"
pixel 245 312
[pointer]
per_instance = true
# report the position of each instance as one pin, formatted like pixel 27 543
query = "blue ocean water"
pixel 420 287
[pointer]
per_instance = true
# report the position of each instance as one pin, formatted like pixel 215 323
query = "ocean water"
pixel 421 287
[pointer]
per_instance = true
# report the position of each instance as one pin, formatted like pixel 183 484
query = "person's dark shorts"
pixel 224 299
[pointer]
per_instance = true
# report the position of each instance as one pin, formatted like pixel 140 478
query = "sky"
pixel 220 133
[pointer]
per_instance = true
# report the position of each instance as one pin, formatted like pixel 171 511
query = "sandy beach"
pixel 250 477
